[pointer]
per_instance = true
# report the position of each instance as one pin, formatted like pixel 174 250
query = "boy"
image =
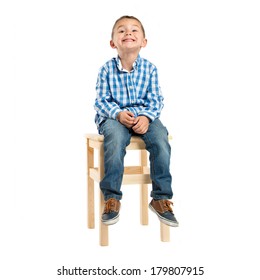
pixel 129 103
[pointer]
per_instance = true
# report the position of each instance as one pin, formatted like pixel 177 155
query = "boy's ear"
pixel 144 43
pixel 112 44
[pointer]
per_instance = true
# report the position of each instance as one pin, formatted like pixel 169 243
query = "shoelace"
pixel 167 205
pixel 110 206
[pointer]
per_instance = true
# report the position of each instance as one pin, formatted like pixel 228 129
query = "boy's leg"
pixel 116 138
pixel 156 140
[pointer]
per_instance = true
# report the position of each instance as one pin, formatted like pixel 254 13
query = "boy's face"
pixel 128 36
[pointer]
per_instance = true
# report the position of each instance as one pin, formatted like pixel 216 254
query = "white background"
pixel 207 53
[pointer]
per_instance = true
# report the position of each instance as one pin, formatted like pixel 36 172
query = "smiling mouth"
pixel 128 40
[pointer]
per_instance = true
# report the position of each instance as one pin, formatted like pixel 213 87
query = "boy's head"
pixel 128 34
pixel 127 17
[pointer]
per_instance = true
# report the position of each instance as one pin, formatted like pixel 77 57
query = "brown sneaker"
pixel 110 214
pixel 162 208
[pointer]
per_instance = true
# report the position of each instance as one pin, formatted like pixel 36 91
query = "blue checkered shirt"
pixel 137 91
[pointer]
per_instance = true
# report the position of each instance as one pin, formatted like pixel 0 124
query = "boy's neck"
pixel 127 60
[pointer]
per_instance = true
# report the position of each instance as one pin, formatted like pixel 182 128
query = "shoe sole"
pixel 111 222
pixel 163 220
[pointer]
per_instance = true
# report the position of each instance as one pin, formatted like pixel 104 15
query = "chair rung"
pixel 132 175
pixel 136 179
pixel 136 170
pixel 94 174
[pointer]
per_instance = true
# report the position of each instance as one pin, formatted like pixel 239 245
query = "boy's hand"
pixel 141 125
pixel 126 118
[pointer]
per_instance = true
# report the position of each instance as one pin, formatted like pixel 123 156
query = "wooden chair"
pixel 132 175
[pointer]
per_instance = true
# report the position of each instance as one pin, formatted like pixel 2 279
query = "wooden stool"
pixel 132 175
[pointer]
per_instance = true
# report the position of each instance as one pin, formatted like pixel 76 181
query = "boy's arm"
pixel 154 98
pixel 104 103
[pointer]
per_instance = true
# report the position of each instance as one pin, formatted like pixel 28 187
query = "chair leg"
pixel 91 205
pixel 103 229
pixel 144 204
pixel 143 192
pixel 165 232
pixel 90 187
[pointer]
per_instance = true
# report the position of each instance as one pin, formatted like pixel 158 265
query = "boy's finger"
pixel 130 114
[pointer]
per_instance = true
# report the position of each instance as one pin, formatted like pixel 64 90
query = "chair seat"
pixel 136 143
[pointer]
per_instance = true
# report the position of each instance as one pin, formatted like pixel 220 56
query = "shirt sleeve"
pixel 154 100
pixel 105 106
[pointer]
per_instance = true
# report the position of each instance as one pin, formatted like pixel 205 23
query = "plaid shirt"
pixel 137 91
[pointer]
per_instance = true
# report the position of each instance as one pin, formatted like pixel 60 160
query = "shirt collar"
pixel 120 67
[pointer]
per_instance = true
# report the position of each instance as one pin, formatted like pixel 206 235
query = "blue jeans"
pixel 116 139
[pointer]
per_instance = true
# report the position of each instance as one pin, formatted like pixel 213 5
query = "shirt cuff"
pixel 114 113
pixel 149 116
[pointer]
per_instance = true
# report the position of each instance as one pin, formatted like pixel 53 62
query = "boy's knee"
pixel 114 132
pixel 158 130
